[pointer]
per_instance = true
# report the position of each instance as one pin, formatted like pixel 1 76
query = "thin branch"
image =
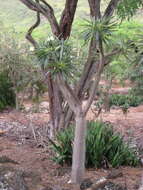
pixel 29 33
pixel 45 10
pixel 95 85
pixel 110 8
pixel 107 56
pixel 97 77
pixel 114 52
pixel 44 2
pixel 102 63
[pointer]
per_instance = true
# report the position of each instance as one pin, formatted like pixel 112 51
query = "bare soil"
pixel 17 141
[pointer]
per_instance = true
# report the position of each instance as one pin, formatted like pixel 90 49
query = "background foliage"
pixel 7 95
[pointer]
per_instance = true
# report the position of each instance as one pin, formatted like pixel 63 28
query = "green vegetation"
pixel 108 40
pixel 55 55
pixel 7 95
pixel 104 147
pixel 15 15
pixel 128 8
pixel 22 68
pixel 121 100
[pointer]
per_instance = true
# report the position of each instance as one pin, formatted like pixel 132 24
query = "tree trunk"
pixel 107 96
pixel 83 82
pixel 78 159
pixel 16 100
pixel 56 111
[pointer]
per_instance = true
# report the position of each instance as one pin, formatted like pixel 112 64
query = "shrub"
pixel 121 100
pixel 7 96
pixel 103 146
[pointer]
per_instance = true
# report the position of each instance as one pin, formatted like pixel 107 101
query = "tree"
pixel 62 31
pixel 98 31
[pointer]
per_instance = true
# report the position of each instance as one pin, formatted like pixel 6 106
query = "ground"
pixel 19 141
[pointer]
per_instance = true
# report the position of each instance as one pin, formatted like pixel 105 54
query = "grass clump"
pixel 103 146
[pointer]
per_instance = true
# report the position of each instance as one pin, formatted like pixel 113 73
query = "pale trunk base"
pixel 78 160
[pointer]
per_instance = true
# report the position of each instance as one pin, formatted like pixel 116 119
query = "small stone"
pixel 11 179
pixel 114 174
pixel 112 186
pixel 86 183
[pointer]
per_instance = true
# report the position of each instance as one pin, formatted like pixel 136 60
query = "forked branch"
pixel 46 10
pixel 95 8
pixel 97 76
pixel 68 94
pixel 29 33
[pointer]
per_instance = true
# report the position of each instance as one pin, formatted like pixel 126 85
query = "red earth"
pixel 19 141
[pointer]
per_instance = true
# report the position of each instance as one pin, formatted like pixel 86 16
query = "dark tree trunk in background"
pixel 55 105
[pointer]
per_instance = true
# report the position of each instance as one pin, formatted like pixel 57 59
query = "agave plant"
pixel 103 146
pixel 54 55
pixel 100 29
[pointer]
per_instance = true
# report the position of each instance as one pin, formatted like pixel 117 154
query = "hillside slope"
pixel 14 14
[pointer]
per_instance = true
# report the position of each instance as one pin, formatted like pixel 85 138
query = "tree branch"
pixel 45 10
pixel 110 8
pixel 97 77
pixel 67 18
pixel 114 52
pixel 68 94
pixel 95 8
pixel 29 33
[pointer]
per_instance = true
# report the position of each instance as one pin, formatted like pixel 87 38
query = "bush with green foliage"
pixel 7 96
pixel 128 8
pixel 102 146
pixel 121 100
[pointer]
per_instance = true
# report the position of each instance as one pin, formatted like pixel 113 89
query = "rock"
pixel 108 186
pixel 53 188
pixel 61 171
pixel 11 179
pixel 114 174
pixel 86 183
pixel 5 159
pixel 2 132
pixel 47 188
pixel 112 186
pixel 99 184
pixel 44 107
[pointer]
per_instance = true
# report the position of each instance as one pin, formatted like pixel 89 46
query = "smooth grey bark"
pixel 78 158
